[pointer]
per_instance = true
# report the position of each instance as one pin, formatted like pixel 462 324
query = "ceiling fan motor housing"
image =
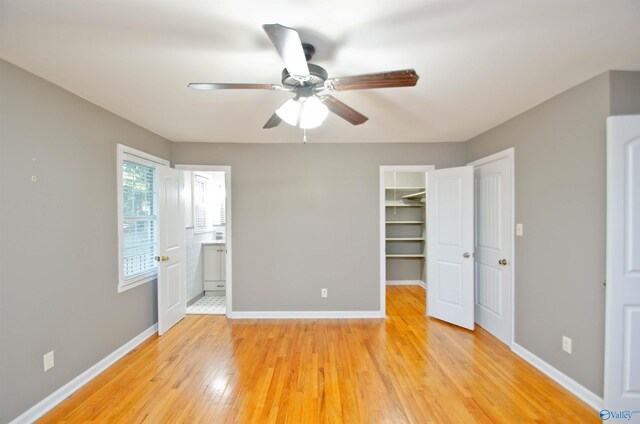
pixel 317 77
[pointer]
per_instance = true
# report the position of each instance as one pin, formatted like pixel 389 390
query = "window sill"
pixel 135 282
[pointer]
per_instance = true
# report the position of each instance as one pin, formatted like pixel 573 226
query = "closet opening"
pixel 403 229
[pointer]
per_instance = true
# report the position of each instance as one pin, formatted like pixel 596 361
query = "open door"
pixel 450 245
pixel 172 302
pixel 493 198
pixel 622 330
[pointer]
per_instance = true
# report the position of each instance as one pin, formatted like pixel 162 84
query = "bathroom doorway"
pixel 208 238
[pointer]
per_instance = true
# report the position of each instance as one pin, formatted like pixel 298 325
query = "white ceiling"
pixel 480 62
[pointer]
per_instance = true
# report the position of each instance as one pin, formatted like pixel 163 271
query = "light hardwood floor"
pixel 405 369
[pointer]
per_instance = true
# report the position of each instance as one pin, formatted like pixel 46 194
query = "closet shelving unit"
pixel 405 234
pixel 405 227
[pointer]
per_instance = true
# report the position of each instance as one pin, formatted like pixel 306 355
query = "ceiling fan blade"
pixel 274 121
pixel 287 43
pixel 404 78
pixel 344 111
pixel 223 86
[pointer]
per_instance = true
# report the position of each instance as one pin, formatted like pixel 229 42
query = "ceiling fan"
pixel 311 84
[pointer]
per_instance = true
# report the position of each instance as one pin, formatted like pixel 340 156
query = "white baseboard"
pixel 304 314
pixel 406 283
pixel 584 394
pixel 46 404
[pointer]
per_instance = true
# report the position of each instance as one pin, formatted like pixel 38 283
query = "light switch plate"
pixel 323 293
pixel 48 361
pixel 519 230
pixel 566 344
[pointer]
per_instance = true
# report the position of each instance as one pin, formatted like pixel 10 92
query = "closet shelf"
pixel 405 188
pixel 404 222
pixel 403 205
pixel 418 195
pixel 405 239
pixel 404 256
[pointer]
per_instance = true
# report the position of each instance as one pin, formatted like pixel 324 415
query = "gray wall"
pixel 625 92
pixel 560 198
pixel 58 270
pixel 306 217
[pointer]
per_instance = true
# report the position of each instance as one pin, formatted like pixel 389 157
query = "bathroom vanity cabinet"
pixel 214 260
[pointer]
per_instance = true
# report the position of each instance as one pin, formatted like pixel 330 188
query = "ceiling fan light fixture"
pixel 313 113
pixel 289 112
pixel 308 81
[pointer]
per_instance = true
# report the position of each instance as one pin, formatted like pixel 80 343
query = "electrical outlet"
pixel 323 293
pixel 566 344
pixel 48 361
pixel 519 230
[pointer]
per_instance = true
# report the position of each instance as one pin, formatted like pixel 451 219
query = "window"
pixel 202 219
pixel 209 199
pixel 138 216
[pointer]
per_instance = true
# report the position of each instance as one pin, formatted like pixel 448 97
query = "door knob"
pixel 502 262
pixel 162 258
pixel 466 255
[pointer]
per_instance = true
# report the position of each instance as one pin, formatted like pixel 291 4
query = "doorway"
pixel 402 227
pixel 467 231
pixel 207 227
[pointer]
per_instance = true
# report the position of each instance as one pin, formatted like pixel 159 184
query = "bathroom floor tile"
pixel 208 305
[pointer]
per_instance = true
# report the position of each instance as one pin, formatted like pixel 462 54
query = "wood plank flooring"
pixel 404 369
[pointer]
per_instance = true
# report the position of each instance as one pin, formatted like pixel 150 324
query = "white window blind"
pixel 139 219
pixel 201 199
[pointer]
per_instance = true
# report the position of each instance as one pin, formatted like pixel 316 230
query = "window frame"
pixel 123 153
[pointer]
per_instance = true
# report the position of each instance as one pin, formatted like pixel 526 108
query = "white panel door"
pixel 172 277
pixel 493 247
pixel 450 245
pixel 622 339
